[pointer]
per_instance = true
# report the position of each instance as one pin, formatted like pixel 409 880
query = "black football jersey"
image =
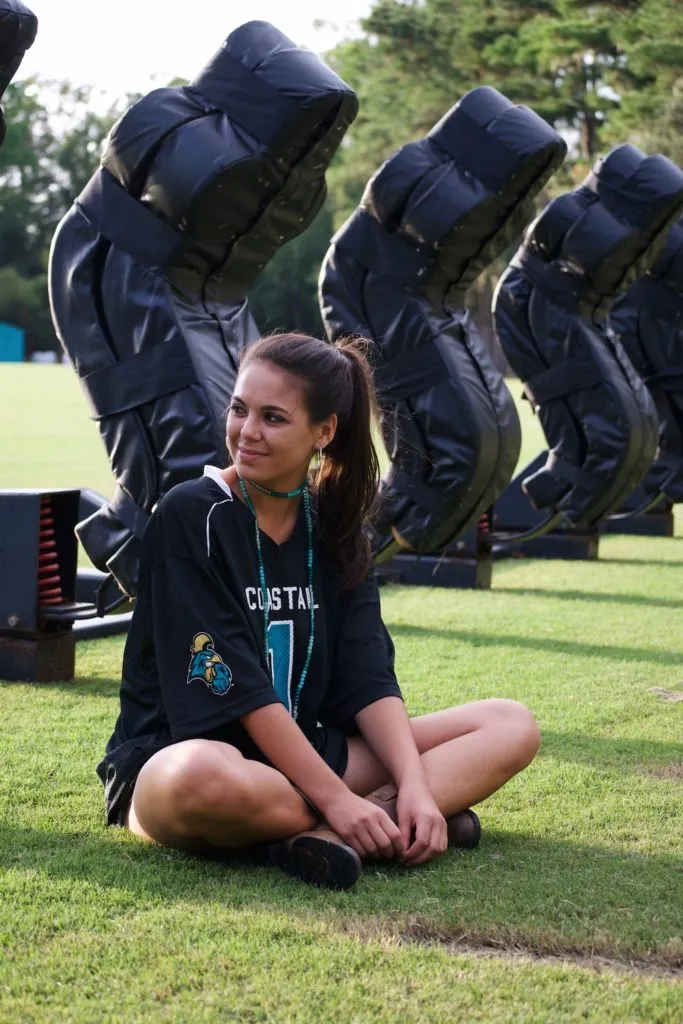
pixel 196 658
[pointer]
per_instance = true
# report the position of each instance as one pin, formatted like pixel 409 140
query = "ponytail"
pixel 336 379
pixel 348 478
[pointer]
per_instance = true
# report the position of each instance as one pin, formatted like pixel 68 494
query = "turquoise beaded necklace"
pixel 302 490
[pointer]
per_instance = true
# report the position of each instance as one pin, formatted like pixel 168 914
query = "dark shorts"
pixel 120 768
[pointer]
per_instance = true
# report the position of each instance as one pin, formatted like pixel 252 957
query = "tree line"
pixel 601 71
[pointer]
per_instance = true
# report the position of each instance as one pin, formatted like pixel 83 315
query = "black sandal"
pixel 318 857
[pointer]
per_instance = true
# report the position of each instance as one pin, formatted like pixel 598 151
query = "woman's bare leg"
pixel 468 752
pixel 202 794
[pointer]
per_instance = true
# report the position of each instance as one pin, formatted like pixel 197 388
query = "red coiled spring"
pixel 49 576
pixel 485 534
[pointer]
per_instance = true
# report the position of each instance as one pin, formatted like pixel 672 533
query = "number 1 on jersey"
pixel 281 657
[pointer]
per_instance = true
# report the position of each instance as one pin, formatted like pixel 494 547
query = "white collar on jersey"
pixel 215 474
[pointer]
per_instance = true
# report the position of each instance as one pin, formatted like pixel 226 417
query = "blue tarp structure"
pixel 12 344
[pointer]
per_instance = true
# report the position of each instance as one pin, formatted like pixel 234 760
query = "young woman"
pixel 259 705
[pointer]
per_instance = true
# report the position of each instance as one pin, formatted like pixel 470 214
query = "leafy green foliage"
pixel 663 133
pixel 285 296
pixel 50 151
pixel 596 69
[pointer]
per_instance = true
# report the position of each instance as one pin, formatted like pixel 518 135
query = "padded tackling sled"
pixel 549 311
pixel 648 322
pixel 18 28
pixel 199 187
pixel 430 220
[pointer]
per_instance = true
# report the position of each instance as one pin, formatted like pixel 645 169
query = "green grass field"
pixel 570 910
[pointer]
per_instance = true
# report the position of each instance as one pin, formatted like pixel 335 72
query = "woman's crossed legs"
pixel 201 794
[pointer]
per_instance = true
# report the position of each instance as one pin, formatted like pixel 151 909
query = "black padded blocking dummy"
pixel 18 27
pixel 430 220
pixel 550 309
pixel 648 321
pixel 199 186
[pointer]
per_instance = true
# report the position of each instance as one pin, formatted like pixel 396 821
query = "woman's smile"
pixel 249 454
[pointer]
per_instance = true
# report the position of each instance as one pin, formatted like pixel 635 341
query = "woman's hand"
pixel 363 826
pixel 422 825
pixel 385 727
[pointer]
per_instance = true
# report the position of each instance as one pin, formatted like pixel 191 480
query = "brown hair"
pixel 336 378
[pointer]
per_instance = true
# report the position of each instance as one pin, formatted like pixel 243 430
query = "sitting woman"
pixel 259 705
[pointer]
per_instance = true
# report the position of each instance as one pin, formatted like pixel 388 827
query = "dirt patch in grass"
pixel 666 963
pixel 670 696
pixel 672 772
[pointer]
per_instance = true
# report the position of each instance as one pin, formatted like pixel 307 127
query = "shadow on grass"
pixel 588 595
pixel 669 563
pixel 537 643
pixel 601 752
pixel 77 687
pixel 545 894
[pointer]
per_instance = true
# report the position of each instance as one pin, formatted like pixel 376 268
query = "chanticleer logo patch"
pixel 207 666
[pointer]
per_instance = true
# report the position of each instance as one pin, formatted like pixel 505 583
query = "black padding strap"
pixel 565 287
pixel 410 373
pixel 152 373
pixel 127 223
pixel 383 252
pixel 423 495
pixel 563 469
pixel 129 512
pixel 245 97
pixel 476 149
pixel 670 379
pixel 670 460
pixel 559 381
pixel 657 298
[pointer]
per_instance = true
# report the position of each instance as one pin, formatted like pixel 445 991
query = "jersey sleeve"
pixel 210 667
pixel 363 659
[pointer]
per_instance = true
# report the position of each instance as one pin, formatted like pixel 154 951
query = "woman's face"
pixel 269 434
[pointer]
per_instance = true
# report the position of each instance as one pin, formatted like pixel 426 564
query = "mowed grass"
pixel 570 910
pixel 47 438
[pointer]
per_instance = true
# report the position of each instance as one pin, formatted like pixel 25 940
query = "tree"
pixel 285 295
pixel 50 151
pixel 664 132
pixel 415 61
pixel 651 110
pixel 595 69
pixel 52 148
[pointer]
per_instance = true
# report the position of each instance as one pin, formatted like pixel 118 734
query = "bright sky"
pixel 121 45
